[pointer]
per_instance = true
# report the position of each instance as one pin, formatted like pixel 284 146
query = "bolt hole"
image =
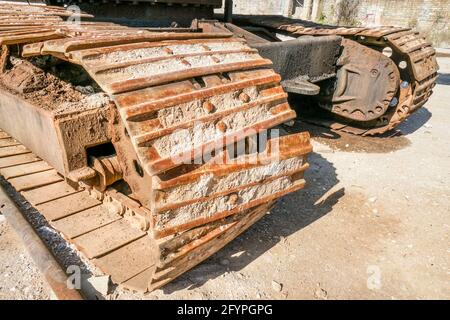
pixel 138 168
pixel 200 82
pixel 226 76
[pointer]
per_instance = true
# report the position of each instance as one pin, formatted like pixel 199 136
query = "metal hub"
pixel 365 85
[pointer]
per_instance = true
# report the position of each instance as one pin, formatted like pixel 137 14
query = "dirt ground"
pixel 19 277
pixel 373 222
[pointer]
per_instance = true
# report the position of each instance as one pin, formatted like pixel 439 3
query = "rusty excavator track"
pixel 135 169
pixel 150 148
pixel 404 81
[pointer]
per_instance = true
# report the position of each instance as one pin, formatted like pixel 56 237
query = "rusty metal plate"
pixel 13 151
pixel 48 193
pixel 163 82
pixel 85 221
pixel 35 180
pixel 24 169
pixel 129 260
pixel 108 238
pixel 17 160
pixel 66 206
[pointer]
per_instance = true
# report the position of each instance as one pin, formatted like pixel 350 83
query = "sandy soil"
pixel 373 222
pixel 19 277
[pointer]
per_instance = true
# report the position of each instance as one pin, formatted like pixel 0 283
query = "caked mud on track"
pixel 94 152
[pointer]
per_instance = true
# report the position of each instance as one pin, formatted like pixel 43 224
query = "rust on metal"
pixel 409 48
pixel 176 208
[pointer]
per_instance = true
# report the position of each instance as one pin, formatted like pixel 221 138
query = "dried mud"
pixel 52 85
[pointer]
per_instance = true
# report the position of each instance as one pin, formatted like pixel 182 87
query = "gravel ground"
pixel 19 277
pixel 373 222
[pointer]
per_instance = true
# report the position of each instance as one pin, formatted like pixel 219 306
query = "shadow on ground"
pixel 416 121
pixel 347 142
pixel 444 79
pixel 340 140
pixel 291 214
pixel 393 140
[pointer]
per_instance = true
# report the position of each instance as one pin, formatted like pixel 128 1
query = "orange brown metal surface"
pixel 189 195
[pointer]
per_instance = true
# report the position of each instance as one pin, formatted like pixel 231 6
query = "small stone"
pixel 2 218
pixel 168 50
pixel 237 254
pixel 277 286
pixel 258 296
pixel 233 199
pixel 347 145
pixel 375 211
pixel 373 199
pixel 225 262
pixel 290 123
pixel 85 90
pixel 321 293
pixel 428 126
pixel 187 63
pixel 99 284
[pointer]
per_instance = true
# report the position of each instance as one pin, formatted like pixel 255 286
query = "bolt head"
pixel 208 106
pixel 221 126
pixel 245 98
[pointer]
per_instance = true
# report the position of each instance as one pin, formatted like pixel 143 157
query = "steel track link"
pixel 106 228
pixel 159 83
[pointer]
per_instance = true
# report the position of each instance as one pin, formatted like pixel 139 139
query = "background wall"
pixel 432 17
pixel 262 6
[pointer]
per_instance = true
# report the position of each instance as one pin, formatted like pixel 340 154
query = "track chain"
pixel 409 48
pixel 160 83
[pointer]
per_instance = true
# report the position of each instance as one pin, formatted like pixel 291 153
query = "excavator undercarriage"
pixel 150 147
pixel 384 74
pixel 153 143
